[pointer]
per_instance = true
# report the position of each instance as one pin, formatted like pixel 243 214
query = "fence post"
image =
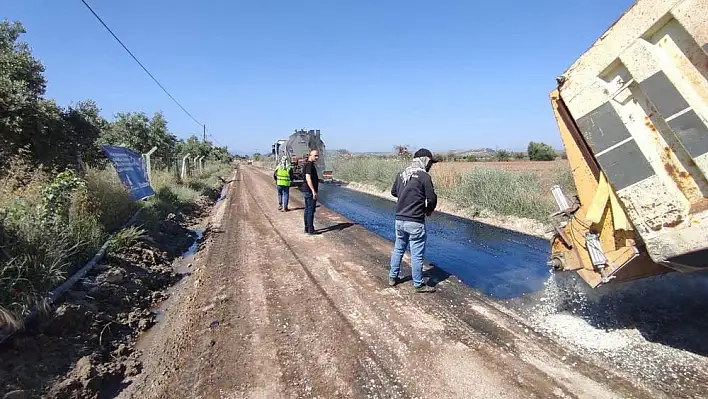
pixel 148 165
pixel 174 166
pixel 201 165
pixel 184 165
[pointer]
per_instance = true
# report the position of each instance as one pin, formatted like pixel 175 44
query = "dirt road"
pixel 270 312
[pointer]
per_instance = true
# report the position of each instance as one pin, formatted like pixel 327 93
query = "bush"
pixel 503 155
pixel 50 228
pixel 107 193
pixel 502 192
pixel 42 237
pixel 541 152
pixel 471 158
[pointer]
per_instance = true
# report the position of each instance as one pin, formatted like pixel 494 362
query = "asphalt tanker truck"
pixel 297 148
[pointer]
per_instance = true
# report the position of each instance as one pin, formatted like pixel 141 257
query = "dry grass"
pixel 516 188
pixel 548 173
pixel 107 193
pixel 38 251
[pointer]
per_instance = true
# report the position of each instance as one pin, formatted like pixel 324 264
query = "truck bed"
pixel 639 97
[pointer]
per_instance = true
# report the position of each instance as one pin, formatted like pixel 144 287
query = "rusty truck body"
pixel 632 112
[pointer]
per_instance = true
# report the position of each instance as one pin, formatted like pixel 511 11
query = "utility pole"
pixel 204 126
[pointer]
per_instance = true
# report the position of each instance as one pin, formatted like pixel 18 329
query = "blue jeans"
pixel 283 196
pixel 310 204
pixel 412 233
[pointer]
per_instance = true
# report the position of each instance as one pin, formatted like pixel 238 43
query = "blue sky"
pixel 370 74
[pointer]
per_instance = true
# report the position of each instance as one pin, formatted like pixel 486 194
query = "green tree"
pixel 519 155
pixel 402 151
pixel 503 155
pixel 135 130
pixel 161 137
pixel 220 154
pixel 194 147
pixel 471 158
pixel 31 126
pixel 131 130
pixel 541 152
pixel 85 119
pixel 257 156
pixel 42 133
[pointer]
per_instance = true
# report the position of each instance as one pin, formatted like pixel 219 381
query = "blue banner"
pixel 131 171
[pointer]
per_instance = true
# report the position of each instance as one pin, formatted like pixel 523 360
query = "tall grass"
pixel 40 246
pixel 110 198
pixel 490 190
pixel 501 192
pixel 379 172
pixel 50 227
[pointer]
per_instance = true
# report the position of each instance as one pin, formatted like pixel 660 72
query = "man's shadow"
pixel 299 208
pixel 335 227
pixel 434 274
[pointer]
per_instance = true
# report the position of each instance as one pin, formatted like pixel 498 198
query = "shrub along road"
pixel 270 312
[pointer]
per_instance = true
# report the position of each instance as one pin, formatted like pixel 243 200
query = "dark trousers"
pixel 310 204
pixel 283 196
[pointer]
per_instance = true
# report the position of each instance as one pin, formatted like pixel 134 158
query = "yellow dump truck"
pixel 632 112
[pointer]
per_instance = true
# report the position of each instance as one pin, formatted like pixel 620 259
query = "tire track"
pixel 274 313
pixel 469 342
pixel 374 376
pixel 414 350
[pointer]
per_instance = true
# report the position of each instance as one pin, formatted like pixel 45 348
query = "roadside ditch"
pixel 88 344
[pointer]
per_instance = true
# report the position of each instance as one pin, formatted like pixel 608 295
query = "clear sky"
pixel 370 73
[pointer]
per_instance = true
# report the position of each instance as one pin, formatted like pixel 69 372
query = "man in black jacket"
pixel 416 200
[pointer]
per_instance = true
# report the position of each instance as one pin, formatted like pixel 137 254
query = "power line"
pixel 140 63
pixel 212 137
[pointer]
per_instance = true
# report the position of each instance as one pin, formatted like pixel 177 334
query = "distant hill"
pixel 459 153
pixel 479 152
pixel 373 153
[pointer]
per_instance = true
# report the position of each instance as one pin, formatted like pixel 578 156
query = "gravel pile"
pixel 652 330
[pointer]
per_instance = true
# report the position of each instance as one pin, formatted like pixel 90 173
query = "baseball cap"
pixel 424 152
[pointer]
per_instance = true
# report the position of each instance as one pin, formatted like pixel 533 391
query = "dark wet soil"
pixel 85 347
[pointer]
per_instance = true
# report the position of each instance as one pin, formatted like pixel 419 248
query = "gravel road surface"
pixel 270 312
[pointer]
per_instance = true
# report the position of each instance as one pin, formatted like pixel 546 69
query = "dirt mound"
pixel 85 348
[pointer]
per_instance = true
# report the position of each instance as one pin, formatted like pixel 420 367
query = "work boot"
pixel 280 207
pixel 392 282
pixel 286 209
pixel 423 289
